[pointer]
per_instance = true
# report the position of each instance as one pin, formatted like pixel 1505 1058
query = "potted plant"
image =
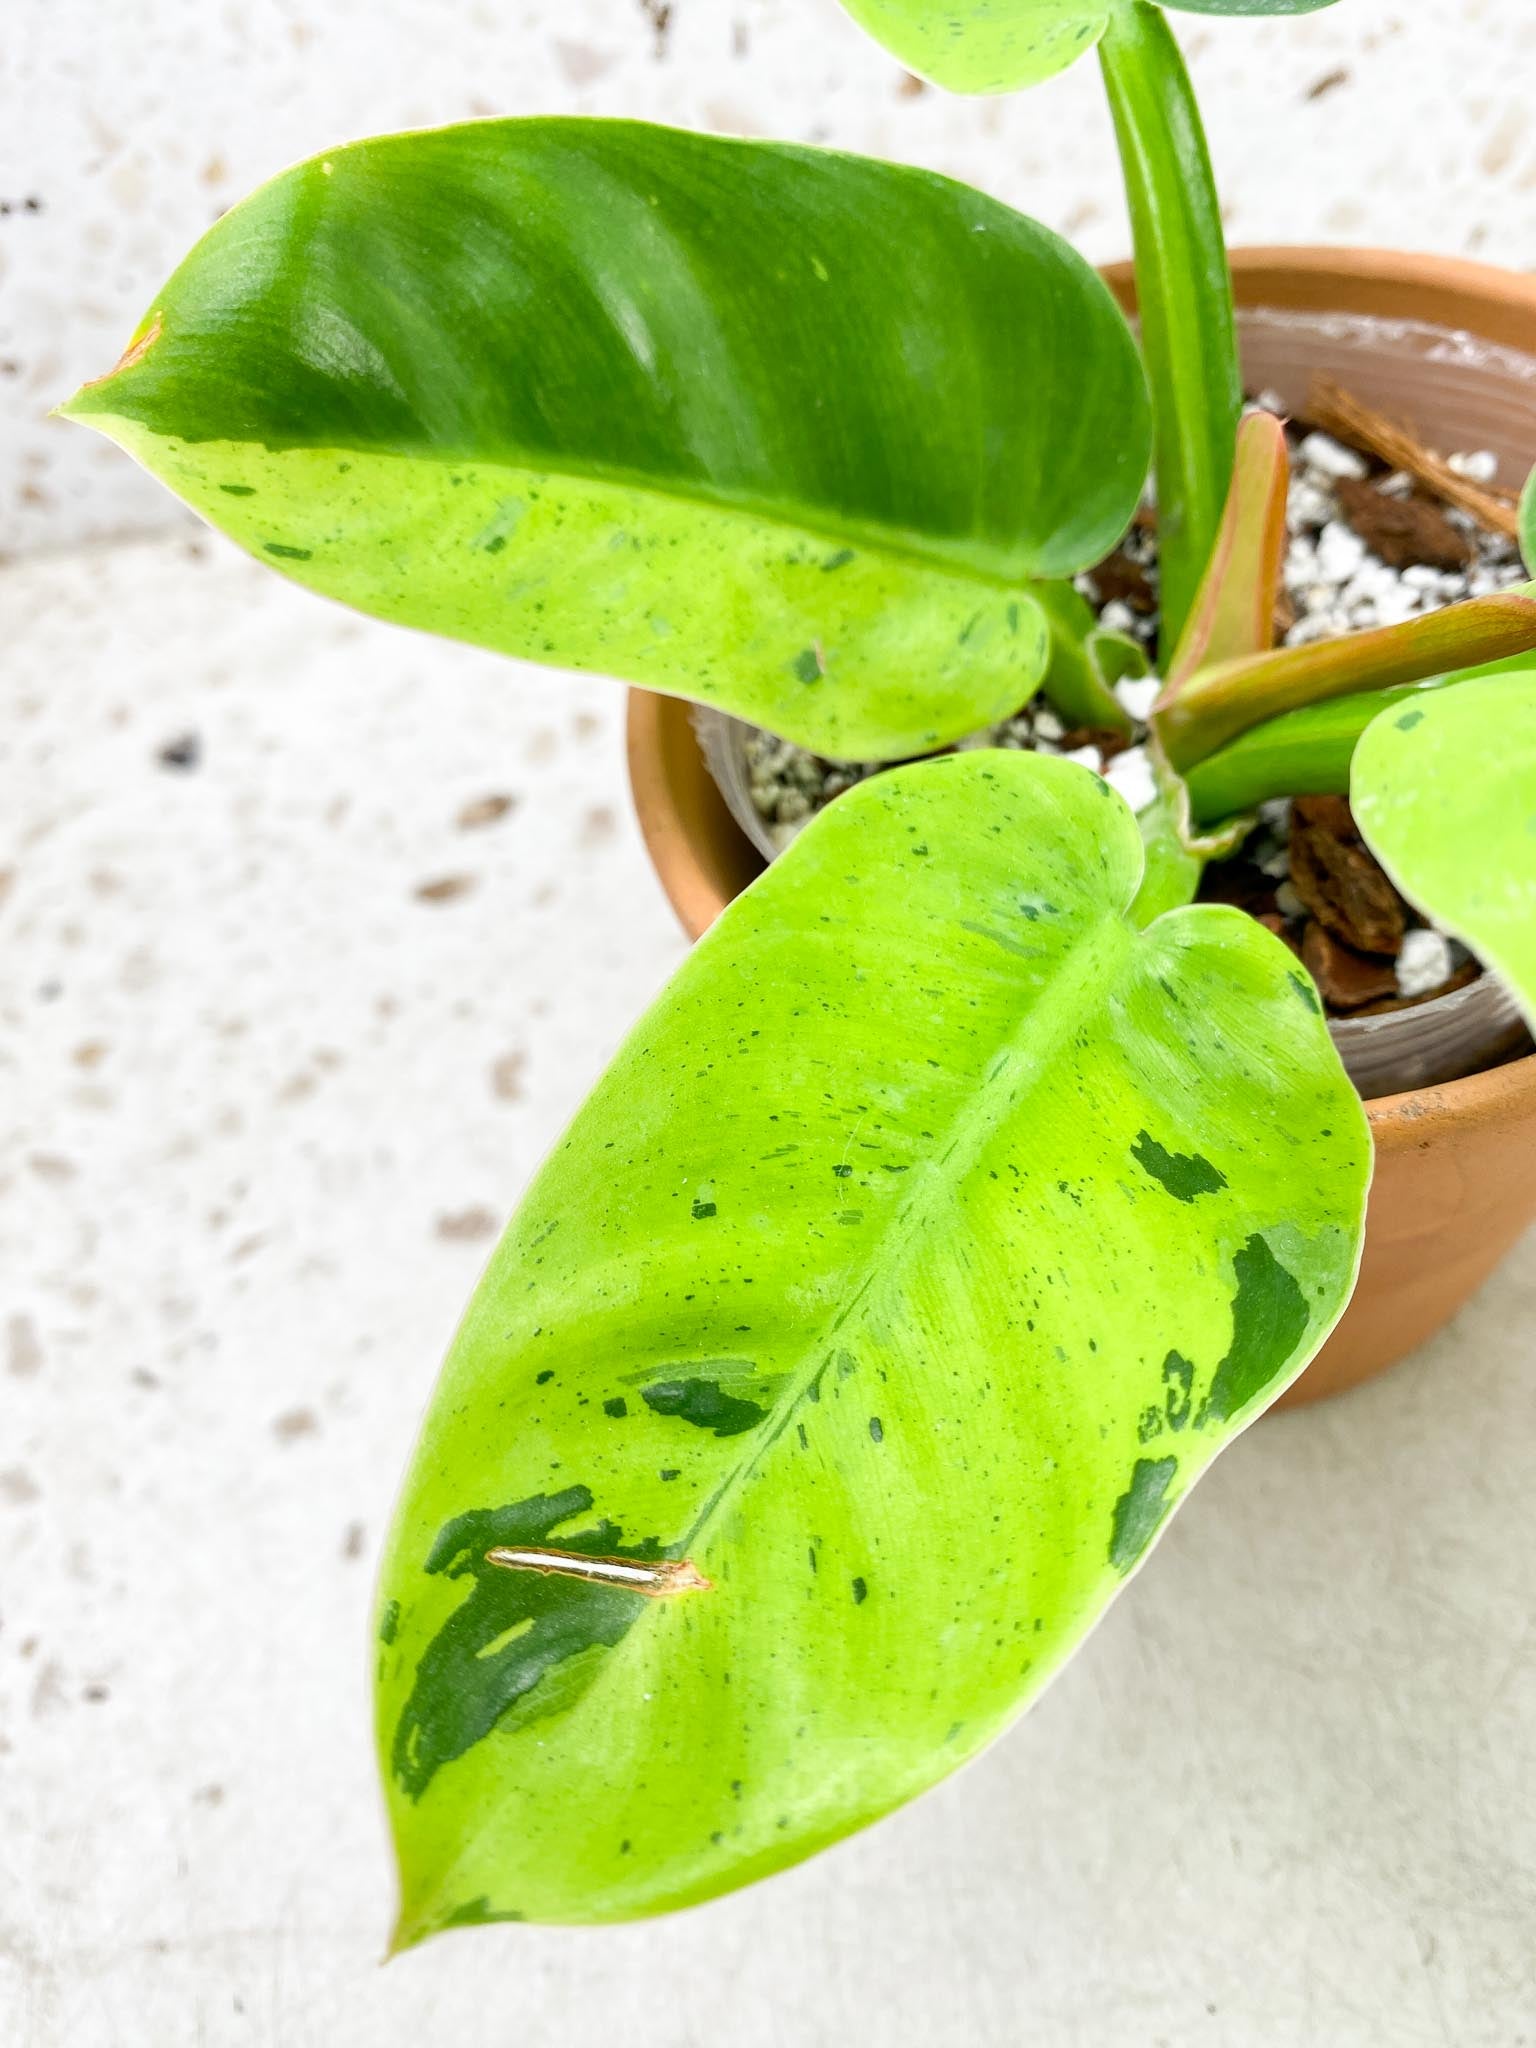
pixel 971 1186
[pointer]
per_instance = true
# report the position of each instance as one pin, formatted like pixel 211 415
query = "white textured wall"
pixel 125 128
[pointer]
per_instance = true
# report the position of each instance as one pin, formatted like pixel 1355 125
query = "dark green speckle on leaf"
pixel 514 1632
pixel 1139 1510
pixel 1185 1175
pixel 1179 1379
pixel 288 554
pixel 1409 720
pixel 705 1404
pixel 1269 1320
pixel 389 1622
pixel 702 1211
pixel 477 1913
pixel 1308 994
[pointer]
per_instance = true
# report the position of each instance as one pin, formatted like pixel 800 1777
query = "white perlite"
pixel 1425 963
pixel 1330 458
pixel 1334 582
pixel 1131 774
pixel 1137 695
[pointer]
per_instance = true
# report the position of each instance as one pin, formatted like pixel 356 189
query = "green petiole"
pixel 1184 294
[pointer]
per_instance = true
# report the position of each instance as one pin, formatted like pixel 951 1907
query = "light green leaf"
pixel 1444 789
pixel 999 45
pixel 780 430
pixel 983 45
pixel 913 1258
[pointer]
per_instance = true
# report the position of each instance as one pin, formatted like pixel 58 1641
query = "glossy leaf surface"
pixel 999 45
pixel 1444 789
pixel 780 430
pixel 915 1255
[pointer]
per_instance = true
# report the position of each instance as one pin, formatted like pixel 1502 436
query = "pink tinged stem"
pixel 1218 703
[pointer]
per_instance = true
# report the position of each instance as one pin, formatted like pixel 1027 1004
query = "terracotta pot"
pixel 1456 1165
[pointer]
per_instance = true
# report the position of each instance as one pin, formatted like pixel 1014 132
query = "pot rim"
pixel 1448 291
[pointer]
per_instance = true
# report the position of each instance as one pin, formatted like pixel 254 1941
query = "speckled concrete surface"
pixel 291 1002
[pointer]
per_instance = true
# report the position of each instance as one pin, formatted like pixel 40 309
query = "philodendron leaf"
pixel 1444 789
pixel 777 429
pixel 915 1255
pixel 999 45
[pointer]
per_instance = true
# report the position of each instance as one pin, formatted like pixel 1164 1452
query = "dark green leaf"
pixel 781 430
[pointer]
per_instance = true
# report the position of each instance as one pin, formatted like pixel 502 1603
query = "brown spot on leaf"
pixel 135 352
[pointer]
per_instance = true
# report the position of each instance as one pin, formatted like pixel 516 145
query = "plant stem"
pixel 1184 291
pixel 1217 704
pixel 1309 752
pixel 1302 753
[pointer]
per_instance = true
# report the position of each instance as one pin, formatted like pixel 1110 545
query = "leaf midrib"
pixel 1098 959
pixel 1092 967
